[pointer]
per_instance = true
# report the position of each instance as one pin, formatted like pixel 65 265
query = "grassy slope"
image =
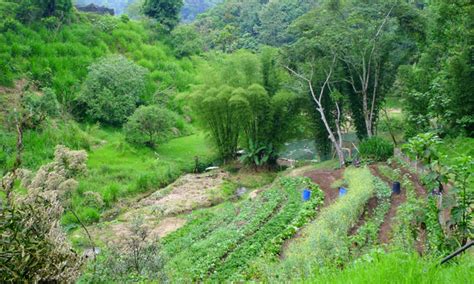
pixel 60 59
pixel 456 147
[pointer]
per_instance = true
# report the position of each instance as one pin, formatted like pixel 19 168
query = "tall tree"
pixel 166 12
pixel 437 90
pixel 32 10
pixel 369 41
pixel 320 94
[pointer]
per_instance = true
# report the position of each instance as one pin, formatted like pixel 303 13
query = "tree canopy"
pixel 166 12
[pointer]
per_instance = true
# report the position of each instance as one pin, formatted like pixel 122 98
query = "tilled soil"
pixel 366 214
pixel 325 178
pixel 158 211
pixel 395 201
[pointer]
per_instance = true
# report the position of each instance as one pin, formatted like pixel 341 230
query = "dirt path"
pixel 324 178
pixel 395 201
pixel 421 193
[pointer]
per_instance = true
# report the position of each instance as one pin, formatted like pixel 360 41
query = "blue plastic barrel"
pixel 396 187
pixel 306 194
pixel 342 191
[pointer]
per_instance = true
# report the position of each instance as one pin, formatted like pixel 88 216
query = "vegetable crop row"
pixel 325 240
pixel 220 242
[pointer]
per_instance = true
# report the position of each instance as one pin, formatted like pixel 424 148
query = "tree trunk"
pixel 335 142
pixel 318 100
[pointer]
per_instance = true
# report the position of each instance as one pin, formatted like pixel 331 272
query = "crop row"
pixel 325 240
pixel 409 214
pixel 367 234
pixel 222 243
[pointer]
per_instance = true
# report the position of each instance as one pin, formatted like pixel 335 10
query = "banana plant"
pixel 258 155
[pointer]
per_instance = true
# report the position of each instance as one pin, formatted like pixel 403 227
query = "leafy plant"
pixel 375 149
pixel 257 156
pixel 463 193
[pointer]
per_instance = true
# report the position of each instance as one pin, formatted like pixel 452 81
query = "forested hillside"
pixel 237 141
pixel 236 24
pixel 190 10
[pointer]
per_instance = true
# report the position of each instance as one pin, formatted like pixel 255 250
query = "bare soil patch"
pixel 420 190
pixel 325 178
pixel 189 192
pixel 167 226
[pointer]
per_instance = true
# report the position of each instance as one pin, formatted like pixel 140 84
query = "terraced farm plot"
pixel 325 240
pixel 219 243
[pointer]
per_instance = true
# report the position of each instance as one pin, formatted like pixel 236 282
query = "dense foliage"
pixel 244 105
pixel 235 24
pixel 112 89
pixel 165 12
pixel 437 89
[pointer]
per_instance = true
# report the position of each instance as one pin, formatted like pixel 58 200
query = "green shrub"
pixel 112 89
pixel 135 259
pixel 186 41
pixel 149 125
pixel 375 149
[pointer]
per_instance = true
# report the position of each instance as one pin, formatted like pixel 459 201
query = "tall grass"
pixel 60 59
pixel 398 267
pixel 39 144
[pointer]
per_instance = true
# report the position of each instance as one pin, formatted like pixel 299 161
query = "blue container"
pixel 306 194
pixel 396 187
pixel 342 191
